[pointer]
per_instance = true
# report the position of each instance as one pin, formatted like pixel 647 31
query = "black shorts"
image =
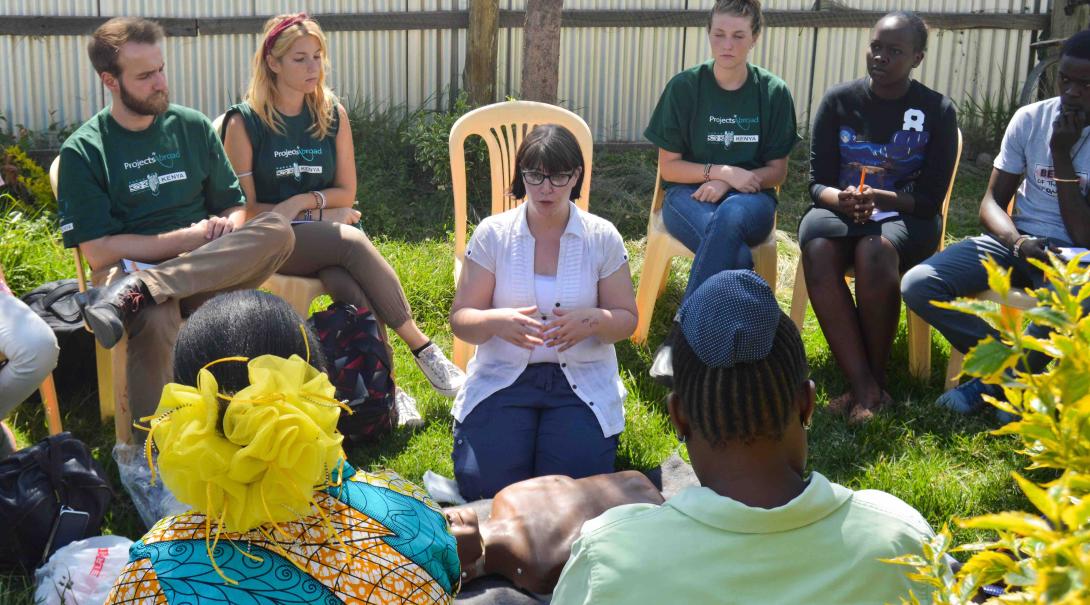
pixel 914 238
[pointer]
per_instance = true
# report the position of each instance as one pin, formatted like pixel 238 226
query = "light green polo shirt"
pixel 699 547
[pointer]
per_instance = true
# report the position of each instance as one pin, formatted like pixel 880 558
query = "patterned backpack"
pixel 360 368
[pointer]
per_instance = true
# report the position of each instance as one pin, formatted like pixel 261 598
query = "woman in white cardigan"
pixel 545 293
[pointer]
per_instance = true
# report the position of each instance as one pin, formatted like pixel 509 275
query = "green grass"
pixel 942 464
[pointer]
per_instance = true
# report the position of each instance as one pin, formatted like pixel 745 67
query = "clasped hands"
pixel 737 179
pixel 523 328
pixel 858 203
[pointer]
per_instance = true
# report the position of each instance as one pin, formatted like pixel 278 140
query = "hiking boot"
pixel 407 414
pixel 109 310
pixel 968 398
pixel 445 377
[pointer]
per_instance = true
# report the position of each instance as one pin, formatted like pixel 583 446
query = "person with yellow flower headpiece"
pixel 246 435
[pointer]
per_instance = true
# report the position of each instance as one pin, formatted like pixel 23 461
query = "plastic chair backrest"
pixel 503 126
pixel 949 193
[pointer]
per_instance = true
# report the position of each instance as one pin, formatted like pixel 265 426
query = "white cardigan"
pixel 590 249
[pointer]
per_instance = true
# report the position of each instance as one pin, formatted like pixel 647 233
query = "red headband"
pixel 270 39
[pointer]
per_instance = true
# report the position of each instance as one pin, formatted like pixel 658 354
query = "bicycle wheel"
pixel 1041 82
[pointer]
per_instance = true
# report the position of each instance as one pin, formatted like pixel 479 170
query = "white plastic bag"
pixel 83 572
pixel 153 502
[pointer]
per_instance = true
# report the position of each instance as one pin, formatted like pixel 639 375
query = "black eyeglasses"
pixel 560 179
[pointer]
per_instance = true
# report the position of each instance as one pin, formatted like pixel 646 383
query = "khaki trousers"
pixel 239 260
pixel 351 269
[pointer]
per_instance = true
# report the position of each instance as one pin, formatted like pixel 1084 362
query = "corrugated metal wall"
pixel 611 76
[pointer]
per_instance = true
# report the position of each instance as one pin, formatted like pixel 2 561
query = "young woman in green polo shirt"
pixel 291 146
pixel 723 129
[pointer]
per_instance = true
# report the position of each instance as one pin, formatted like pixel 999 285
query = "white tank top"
pixel 545 290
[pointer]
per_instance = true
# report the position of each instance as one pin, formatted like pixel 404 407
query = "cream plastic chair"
pixel 662 247
pixel 503 126
pixel 48 392
pixel 919 332
pixel 113 392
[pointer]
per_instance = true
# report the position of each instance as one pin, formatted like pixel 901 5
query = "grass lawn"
pixel 942 464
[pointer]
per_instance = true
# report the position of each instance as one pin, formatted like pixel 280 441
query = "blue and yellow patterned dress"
pixel 391 545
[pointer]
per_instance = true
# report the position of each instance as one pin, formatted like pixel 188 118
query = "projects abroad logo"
pixel 307 154
pixel 153 181
pixel 743 123
pixel 166 160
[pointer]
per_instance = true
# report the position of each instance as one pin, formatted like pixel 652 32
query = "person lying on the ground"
pixel 29 352
pixel 247 436
pixel 1044 164
pixel 148 181
pixel 757 528
pixel 528 535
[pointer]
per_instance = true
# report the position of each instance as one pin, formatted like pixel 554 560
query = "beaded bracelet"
pixel 707 172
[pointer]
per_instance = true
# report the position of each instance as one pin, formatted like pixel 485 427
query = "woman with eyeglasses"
pixel 545 293
pixel 291 146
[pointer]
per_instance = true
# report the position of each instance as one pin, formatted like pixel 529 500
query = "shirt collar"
pixel 574 226
pixel 819 500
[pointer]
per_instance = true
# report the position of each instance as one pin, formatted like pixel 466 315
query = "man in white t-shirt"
pixel 1044 164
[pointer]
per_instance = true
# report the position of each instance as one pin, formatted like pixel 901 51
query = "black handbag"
pixel 36 484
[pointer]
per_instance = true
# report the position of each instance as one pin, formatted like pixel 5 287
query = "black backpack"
pixel 36 483
pixel 55 302
pixel 360 368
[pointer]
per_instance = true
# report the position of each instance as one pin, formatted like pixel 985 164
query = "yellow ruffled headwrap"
pixel 279 443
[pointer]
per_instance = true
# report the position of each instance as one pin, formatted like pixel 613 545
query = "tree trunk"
pixel 541 50
pixel 480 77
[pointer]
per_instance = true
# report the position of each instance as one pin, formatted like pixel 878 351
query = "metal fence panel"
pixel 611 76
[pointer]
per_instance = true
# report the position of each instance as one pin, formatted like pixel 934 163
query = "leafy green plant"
pixel 429 134
pixel 25 183
pixel 31 252
pixel 50 137
pixel 983 119
pixel 1041 556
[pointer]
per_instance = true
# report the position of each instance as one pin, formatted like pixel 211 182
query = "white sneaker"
pixel 407 414
pixel 445 377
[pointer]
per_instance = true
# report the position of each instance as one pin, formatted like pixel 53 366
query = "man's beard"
pixel 155 104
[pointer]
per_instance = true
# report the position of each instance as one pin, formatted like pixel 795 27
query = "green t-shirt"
pixel 746 128
pixel 166 177
pixel 291 163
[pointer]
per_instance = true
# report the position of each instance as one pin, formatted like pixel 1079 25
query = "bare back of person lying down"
pixel 528 536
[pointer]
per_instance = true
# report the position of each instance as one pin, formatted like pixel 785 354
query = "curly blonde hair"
pixel 261 94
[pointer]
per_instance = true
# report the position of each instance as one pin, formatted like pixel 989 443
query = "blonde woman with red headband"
pixel 291 146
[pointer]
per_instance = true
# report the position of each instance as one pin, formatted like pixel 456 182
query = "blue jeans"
pixel 956 272
pixel 537 426
pixel 719 234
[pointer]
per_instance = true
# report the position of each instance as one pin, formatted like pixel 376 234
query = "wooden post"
pixel 480 77
pixel 1063 25
pixel 541 50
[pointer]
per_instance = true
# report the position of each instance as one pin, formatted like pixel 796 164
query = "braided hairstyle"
pixel 747 401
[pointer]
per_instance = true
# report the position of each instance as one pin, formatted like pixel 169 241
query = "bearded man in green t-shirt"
pixel 144 181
